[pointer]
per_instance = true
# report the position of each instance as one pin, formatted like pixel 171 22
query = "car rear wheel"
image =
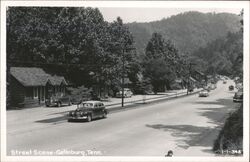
pixel 105 115
pixel 89 118
pixel 70 103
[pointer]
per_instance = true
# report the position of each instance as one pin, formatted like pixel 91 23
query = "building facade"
pixel 31 86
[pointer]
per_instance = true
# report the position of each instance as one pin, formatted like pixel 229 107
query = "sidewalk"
pixel 115 103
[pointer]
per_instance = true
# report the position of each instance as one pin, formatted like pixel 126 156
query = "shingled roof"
pixel 32 76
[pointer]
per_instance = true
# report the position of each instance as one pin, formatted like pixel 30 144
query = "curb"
pixel 159 97
pixel 134 105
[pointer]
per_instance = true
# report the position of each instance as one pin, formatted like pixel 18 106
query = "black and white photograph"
pixel 125 81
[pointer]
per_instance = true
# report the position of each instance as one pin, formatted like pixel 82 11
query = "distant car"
pixel 88 111
pixel 58 101
pixel 127 93
pixel 231 88
pixel 190 90
pixel 238 97
pixel 224 81
pixel 207 88
pixel 203 93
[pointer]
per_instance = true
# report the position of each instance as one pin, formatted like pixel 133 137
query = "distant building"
pixel 30 86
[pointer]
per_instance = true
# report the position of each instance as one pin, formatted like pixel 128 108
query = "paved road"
pixel 188 126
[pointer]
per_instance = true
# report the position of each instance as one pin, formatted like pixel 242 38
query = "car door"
pixel 95 110
pixel 102 109
pixel 99 109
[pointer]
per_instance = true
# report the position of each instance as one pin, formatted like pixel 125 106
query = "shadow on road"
pixel 60 119
pixel 63 112
pixel 53 120
pixel 217 111
pixel 192 135
pixel 188 135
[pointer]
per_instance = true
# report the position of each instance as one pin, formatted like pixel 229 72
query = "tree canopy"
pixel 160 62
pixel 71 41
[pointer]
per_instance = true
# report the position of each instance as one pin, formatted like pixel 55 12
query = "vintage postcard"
pixel 125 81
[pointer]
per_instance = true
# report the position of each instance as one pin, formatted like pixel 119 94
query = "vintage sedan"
pixel 127 93
pixel 58 101
pixel 88 111
pixel 231 88
pixel 203 93
pixel 238 97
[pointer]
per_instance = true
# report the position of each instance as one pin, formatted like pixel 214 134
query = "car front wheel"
pixel 89 118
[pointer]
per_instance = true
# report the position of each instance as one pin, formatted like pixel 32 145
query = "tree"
pixel 73 42
pixel 121 51
pixel 160 62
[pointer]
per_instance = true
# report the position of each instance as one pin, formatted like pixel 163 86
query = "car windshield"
pixel 88 105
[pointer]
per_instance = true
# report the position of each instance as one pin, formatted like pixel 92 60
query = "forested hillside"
pixel 188 31
pixel 221 56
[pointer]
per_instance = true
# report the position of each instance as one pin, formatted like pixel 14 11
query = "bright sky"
pixel 153 14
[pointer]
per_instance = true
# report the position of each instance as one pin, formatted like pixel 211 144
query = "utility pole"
pixel 123 71
pixel 189 75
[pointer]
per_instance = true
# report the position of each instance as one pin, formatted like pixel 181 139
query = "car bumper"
pixel 52 104
pixel 203 95
pixel 237 100
pixel 77 118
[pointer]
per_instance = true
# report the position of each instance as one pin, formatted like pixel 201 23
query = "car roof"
pixel 92 101
pixel 204 90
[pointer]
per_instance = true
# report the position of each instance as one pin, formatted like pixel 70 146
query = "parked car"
pixel 231 88
pixel 58 101
pixel 88 111
pixel 207 88
pixel 190 89
pixel 238 97
pixel 76 100
pixel 203 93
pixel 127 93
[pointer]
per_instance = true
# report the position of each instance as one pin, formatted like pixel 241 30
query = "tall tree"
pixel 121 50
pixel 160 62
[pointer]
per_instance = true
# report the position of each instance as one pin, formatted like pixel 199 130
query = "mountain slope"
pixel 188 31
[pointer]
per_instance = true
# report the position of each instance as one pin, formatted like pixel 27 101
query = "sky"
pixel 153 14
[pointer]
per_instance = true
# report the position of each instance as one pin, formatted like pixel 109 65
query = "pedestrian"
pixel 170 153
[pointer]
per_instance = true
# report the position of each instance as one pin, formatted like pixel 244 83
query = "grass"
pixel 230 137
